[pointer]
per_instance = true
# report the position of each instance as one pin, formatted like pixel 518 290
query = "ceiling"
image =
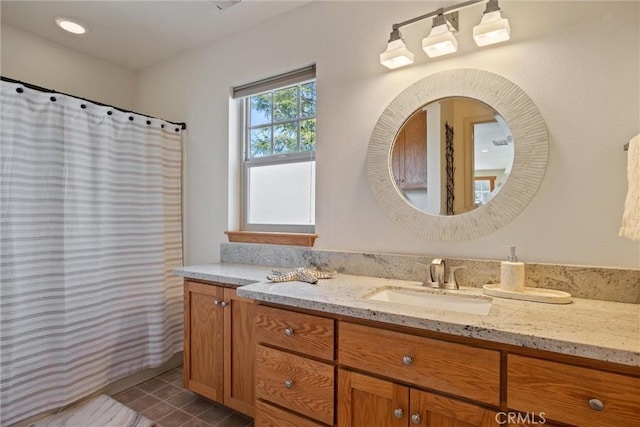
pixel 138 34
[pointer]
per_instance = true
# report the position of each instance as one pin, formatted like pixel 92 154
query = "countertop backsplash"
pixel 599 283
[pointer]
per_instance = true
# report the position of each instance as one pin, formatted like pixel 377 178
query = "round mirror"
pixel 523 129
pixel 452 156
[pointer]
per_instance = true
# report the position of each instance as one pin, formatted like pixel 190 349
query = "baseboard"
pixel 142 376
pixel 113 388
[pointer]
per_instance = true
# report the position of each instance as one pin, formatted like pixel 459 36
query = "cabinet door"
pixel 203 339
pixel 409 156
pixel 239 350
pixel 432 410
pixel 415 151
pixel 364 401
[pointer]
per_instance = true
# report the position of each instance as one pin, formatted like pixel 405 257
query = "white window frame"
pixel 293 79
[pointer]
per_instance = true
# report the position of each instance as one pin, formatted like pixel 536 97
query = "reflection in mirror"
pixel 452 156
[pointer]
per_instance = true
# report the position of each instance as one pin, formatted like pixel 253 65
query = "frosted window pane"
pixel 282 194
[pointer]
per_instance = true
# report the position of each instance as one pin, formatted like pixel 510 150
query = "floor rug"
pixel 101 411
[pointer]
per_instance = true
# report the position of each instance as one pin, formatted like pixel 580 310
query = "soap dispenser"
pixel 512 273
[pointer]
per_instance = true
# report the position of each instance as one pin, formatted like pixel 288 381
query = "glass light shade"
pixel 493 28
pixel 70 26
pixel 440 41
pixel 397 55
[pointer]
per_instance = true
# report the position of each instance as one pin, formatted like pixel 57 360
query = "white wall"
pixel 578 61
pixel 34 60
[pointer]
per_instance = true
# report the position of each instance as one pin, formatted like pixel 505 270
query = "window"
pixel 483 189
pixel 279 154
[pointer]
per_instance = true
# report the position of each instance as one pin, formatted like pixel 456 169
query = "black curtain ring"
pixel 52 99
pixel 19 90
pixel 109 112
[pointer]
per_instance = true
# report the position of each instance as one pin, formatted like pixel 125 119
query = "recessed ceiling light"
pixel 70 26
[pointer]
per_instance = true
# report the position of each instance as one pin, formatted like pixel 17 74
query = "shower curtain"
pixel 90 230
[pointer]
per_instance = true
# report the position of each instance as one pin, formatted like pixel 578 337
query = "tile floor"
pixel 165 401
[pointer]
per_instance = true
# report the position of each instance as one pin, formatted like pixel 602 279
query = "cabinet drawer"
pixel 270 416
pixel 563 392
pixel 295 382
pixel 302 333
pixel 458 369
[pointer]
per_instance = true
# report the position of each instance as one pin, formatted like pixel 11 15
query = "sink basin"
pixel 431 298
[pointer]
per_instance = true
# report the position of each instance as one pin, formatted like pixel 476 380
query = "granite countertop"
pixel 601 330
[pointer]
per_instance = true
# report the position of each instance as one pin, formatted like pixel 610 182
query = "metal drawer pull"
pixel 596 404
pixel 288 332
pixel 407 360
pixel 288 384
pixel 398 413
pixel 223 304
pixel 216 302
pixel 416 419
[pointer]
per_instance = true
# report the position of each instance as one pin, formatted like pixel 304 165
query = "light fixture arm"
pixel 395 35
pixel 442 11
pixel 492 6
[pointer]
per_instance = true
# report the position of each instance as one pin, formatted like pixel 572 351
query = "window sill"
pixel 291 239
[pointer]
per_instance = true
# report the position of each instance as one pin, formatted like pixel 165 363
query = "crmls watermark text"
pixel 528 418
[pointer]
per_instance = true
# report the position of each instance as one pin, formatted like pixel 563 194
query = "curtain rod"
pixel 44 89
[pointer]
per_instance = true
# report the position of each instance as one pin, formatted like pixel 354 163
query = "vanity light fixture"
pixel 441 40
pixel 70 26
pixel 397 54
pixel 493 28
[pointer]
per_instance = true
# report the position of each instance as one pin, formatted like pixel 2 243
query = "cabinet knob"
pixel 407 360
pixel 416 419
pixel 398 413
pixel 223 304
pixel 216 302
pixel 288 384
pixel 288 332
pixel 596 404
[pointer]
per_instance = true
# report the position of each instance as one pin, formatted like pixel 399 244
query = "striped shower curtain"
pixel 90 230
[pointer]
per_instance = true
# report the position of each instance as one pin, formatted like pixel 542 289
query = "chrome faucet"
pixel 435 276
pixel 436 272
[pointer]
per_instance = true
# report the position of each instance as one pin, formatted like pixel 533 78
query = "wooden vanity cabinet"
pixel 455 369
pixel 366 401
pixel 219 345
pixel 571 394
pixel 295 369
pixel 397 377
pixel 461 370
